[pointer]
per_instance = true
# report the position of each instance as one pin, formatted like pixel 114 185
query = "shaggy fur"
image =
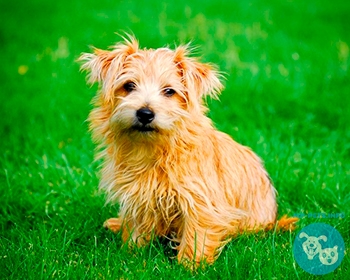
pixel 172 173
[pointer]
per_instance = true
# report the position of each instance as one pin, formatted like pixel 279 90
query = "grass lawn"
pixel 287 96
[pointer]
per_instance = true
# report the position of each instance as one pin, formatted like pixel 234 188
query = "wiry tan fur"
pixel 183 179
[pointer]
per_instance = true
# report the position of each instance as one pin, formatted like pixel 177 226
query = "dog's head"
pixel 148 92
pixel 311 245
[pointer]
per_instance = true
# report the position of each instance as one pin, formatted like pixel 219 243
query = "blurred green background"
pixel 286 65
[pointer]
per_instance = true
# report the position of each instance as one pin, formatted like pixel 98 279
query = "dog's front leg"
pixel 199 241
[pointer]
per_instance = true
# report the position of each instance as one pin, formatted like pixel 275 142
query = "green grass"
pixel 287 96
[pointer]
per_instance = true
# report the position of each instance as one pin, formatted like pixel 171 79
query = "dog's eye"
pixel 169 92
pixel 129 86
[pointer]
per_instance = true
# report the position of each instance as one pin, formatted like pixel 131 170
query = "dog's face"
pixel 149 92
pixel 311 245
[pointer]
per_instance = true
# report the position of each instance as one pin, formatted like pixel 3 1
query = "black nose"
pixel 145 116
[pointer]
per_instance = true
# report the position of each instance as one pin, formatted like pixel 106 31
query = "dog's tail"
pixel 284 224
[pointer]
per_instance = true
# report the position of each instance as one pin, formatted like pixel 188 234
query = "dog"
pixel 171 172
pixel 312 245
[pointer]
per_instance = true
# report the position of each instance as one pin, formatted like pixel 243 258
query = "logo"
pixel 319 248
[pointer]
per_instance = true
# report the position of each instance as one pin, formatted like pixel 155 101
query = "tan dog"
pixel 170 171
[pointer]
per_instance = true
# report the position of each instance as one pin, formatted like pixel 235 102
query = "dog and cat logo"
pixel 319 248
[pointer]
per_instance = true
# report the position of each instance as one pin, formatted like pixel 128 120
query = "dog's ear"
pixel 323 237
pixel 103 66
pixel 200 78
pixel 303 235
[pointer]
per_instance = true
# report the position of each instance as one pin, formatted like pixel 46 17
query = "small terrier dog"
pixel 172 173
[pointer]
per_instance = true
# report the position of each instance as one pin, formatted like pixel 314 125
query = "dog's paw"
pixel 113 224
